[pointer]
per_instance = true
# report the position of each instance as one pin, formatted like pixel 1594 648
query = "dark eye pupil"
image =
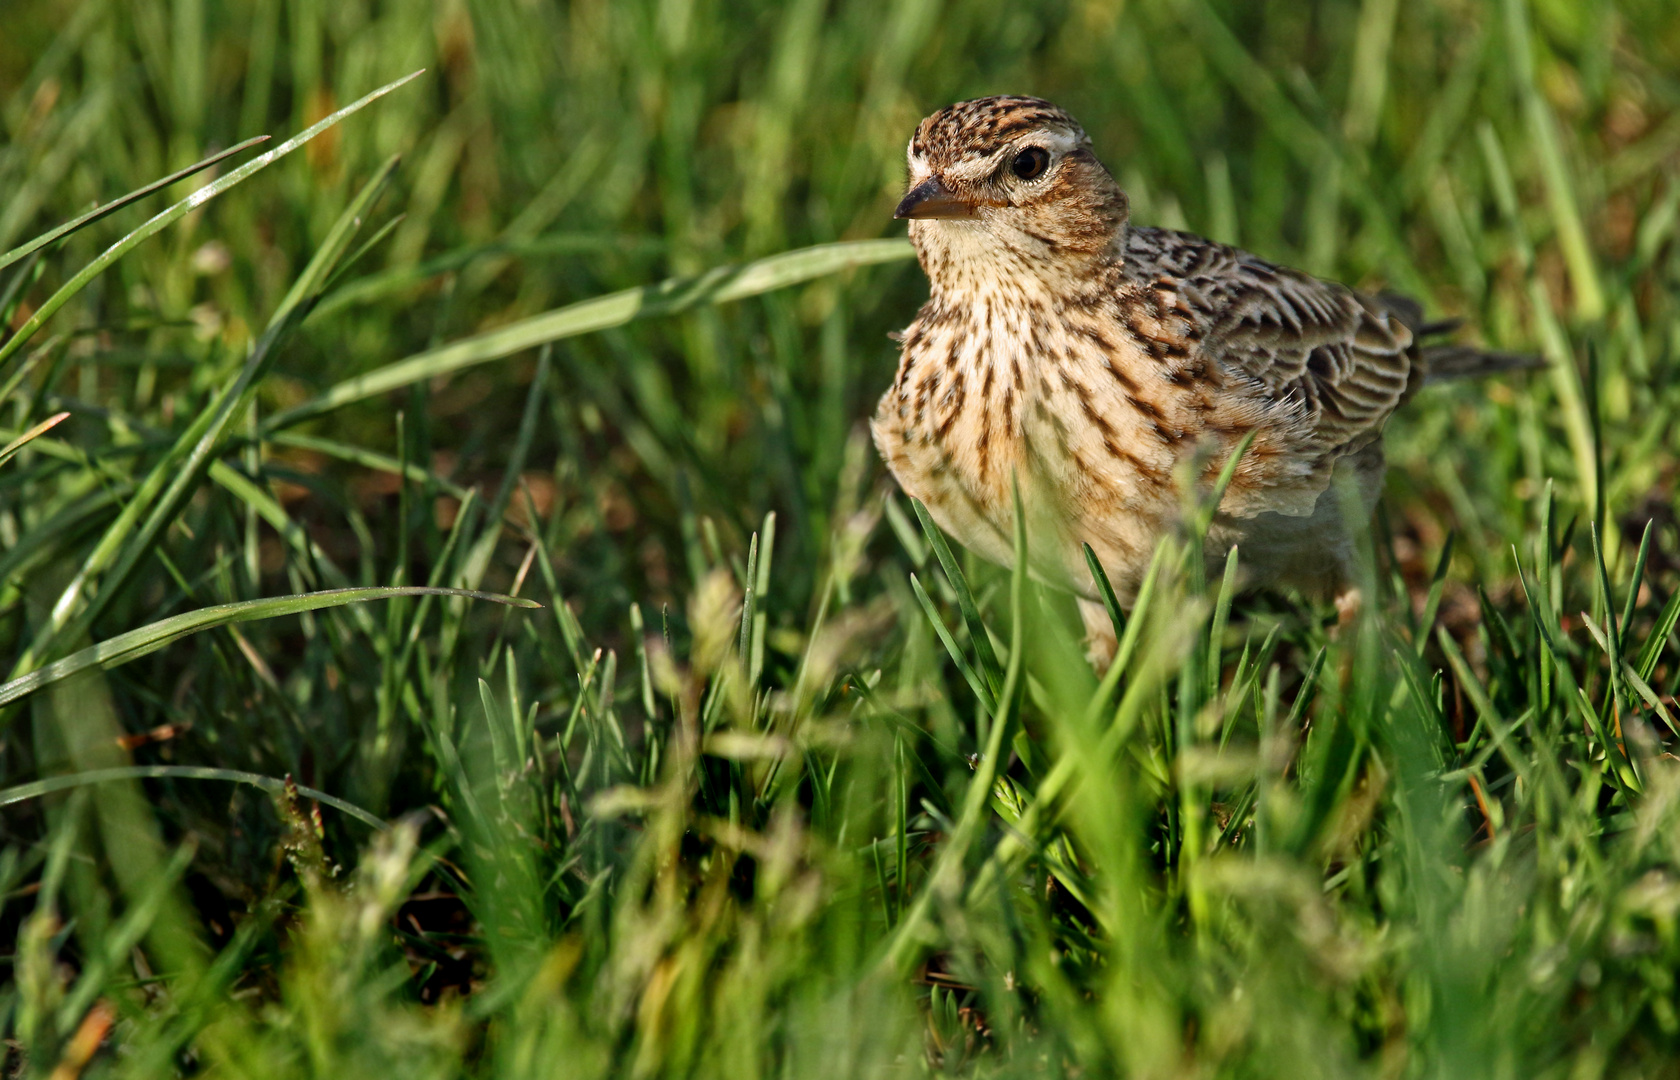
pixel 1029 163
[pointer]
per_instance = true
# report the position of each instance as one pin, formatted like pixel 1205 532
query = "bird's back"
pixel 1312 367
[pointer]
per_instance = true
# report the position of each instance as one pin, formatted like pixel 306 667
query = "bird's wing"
pixel 1314 367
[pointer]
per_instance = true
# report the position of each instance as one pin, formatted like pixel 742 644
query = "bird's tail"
pixel 1445 361
pixel 1442 362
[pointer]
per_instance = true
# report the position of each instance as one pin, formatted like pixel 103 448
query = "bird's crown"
pixel 980 128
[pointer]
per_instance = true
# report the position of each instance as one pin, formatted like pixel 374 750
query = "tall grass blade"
pixel 1657 640
pixel 174 213
pixel 975 683
pixel 1432 603
pixel 946 876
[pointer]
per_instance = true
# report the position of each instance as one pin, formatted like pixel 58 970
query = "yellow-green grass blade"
pixel 114 205
pixel 149 638
pixel 35 432
pixel 1560 193
pixel 369 459
pixel 718 286
pixel 174 213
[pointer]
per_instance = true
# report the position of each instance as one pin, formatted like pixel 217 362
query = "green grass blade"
pixel 129 539
pixel 38 788
pixel 1651 651
pixel 12 294
pixel 1309 690
pixel 1110 602
pixel 1560 193
pixel 1303 138
pixel 501 742
pixel 1621 771
pixel 1102 697
pixel 718 286
pixel 1606 594
pixel 375 286
pixel 1486 712
pixel 1643 689
pixel 174 213
pixel 147 639
pixel 1221 616
pixel 975 683
pixel 1634 580
pixel 1216 494
pixel 1432 605
pixel 1504 639
pixel 989 666
pixel 1146 594
pixel 125 935
pixel 114 205
pixel 368 459
pixel 309 284
pixel 351 261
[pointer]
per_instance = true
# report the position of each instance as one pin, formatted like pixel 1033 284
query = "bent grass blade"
pixel 154 636
pixel 718 286
pixel 37 788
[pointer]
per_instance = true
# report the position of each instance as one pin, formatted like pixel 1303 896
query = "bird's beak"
pixel 932 199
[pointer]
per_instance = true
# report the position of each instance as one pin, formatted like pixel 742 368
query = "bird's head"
pixel 1008 185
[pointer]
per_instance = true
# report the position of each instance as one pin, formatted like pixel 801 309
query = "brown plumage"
pixel 1097 362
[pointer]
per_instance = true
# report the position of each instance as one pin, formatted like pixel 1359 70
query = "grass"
pixel 777 781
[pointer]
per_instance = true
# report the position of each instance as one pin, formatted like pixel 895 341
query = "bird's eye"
pixel 1030 163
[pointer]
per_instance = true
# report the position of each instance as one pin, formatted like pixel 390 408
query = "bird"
pixel 1101 368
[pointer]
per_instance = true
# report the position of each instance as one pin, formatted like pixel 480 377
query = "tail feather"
pixel 1442 362
pixel 1439 326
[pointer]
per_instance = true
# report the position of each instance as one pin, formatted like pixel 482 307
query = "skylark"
pixel 1095 363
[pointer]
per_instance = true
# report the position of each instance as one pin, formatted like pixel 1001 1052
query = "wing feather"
pixel 1321 366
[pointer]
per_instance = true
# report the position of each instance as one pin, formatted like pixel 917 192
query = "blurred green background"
pixel 1509 162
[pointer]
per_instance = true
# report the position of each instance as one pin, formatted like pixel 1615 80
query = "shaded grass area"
pixel 776 781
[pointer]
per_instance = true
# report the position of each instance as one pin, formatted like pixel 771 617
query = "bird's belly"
pixel 1067 502
pixel 961 474
pixel 1089 470
pixel 1099 476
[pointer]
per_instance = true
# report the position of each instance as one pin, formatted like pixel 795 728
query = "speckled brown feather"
pixel 1096 361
